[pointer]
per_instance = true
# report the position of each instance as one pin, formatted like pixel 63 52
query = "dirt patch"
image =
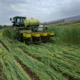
pixel 4 45
pixel 32 75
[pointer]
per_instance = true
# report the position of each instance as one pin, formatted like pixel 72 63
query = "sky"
pixel 44 10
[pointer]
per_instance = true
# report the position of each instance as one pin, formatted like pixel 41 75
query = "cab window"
pixel 14 19
pixel 18 20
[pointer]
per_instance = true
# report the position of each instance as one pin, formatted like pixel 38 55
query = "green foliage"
pixel 50 61
pixel 69 33
pixel 8 32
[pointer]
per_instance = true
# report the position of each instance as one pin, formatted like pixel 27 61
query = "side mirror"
pixel 10 19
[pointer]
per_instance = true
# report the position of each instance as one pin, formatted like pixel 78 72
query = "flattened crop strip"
pixel 31 55
pixel 63 57
pixel 63 74
pixel 39 59
pixel 27 70
pixel 4 45
pixel 65 69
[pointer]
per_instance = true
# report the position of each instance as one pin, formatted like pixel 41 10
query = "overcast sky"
pixel 44 10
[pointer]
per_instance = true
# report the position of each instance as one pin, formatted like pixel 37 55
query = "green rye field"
pixel 57 60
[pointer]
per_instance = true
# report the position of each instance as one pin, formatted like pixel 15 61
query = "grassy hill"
pixel 58 60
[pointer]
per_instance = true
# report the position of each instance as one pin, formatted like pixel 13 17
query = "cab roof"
pixel 19 17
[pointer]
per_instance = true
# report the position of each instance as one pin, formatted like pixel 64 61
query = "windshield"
pixel 20 20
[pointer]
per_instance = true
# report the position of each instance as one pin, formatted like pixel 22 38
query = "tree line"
pixel 4 26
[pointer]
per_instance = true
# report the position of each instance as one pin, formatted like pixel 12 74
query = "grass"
pixel 0 34
pixel 69 33
pixel 8 32
pixel 50 61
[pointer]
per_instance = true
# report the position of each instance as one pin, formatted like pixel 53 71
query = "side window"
pixel 22 20
pixel 14 19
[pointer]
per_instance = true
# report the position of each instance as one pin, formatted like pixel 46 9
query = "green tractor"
pixel 29 30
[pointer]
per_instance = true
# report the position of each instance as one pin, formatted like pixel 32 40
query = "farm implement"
pixel 30 31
